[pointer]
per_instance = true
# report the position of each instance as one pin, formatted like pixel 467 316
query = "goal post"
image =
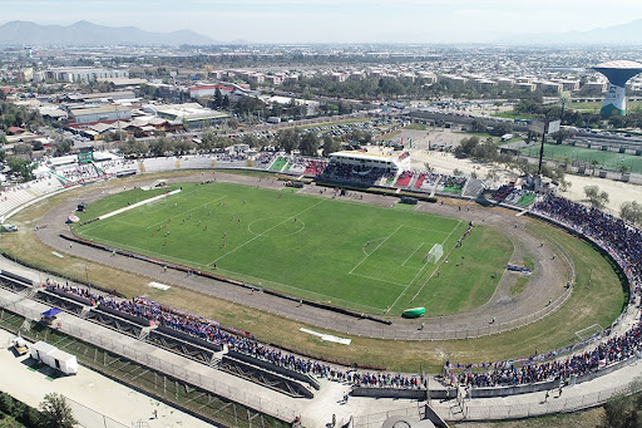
pixel 435 254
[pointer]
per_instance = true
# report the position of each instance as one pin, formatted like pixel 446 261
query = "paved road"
pixel 509 311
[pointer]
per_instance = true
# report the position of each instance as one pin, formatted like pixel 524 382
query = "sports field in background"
pixel 345 253
pixel 608 160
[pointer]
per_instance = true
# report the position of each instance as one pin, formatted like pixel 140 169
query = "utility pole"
pixel 541 149
pixel 545 128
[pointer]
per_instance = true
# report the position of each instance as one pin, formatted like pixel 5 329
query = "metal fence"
pixel 182 372
pixel 479 410
pixel 416 412
pixel 90 418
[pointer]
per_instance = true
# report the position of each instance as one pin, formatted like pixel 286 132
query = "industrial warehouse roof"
pixel 109 108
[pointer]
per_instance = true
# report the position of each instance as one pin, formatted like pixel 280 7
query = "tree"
pixel 330 145
pixel 288 139
pixel 631 212
pixel 132 146
pixel 218 98
pixel 623 412
pixel 56 412
pixel 225 104
pixel 478 125
pixel 467 146
pixel 21 167
pixel 160 146
pixel 309 144
pixel 23 149
pixel 183 146
pixel 251 140
pixel 232 123
pixel 63 148
pixel 501 128
pixel 596 198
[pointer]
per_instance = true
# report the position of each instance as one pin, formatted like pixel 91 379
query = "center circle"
pixel 276 226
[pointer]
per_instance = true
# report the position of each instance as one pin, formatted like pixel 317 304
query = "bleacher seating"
pixel 117 167
pixel 59 301
pixel 114 322
pixel 182 347
pixel 301 377
pixel 14 196
pixel 450 184
pixel 13 282
pixel 405 178
pixel 196 162
pixel 265 377
pixel 161 164
pixel 215 347
pixel 353 174
pixel 131 318
pixel 80 173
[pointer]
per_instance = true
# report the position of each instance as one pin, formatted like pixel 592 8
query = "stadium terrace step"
pixel 188 338
pixel 181 347
pixel 59 302
pixel 265 377
pixel 283 371
pixel 134 319
pixel 114 322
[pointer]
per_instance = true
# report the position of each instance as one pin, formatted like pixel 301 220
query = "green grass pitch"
pixel 346 253
pixel 609 160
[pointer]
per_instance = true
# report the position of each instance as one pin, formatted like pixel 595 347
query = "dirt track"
pixel 510 311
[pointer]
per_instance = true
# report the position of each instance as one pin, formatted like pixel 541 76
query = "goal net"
pixel 435 253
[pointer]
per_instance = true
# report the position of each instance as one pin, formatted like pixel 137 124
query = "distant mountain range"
pixel 623 34
pixel 83 33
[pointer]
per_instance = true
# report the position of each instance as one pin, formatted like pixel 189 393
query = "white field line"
pixel 379 279
pixel 422 269
pixel 412 254
pixel 138 204
pixel 321 297
pixel 376 248
pixel 267 231
pixel 155 225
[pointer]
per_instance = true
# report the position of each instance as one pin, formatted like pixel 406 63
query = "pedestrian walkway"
pixel 121 406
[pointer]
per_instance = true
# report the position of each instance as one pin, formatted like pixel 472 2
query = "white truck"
pixel 20 345
pixel 54 358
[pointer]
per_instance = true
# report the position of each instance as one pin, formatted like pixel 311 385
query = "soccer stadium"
pixel 281 283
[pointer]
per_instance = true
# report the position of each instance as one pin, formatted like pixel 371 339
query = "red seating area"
pixel 405 178
pixel 315 167
pixel 420 180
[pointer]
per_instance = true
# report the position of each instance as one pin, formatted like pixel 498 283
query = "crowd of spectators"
pixel 405 178
pixel 502 192
pixel 455 184
pixel 624 243
pixel 80 173
pixel 263 160
pixel 615 349
pixel 358 174
pixel 315 167
pixel 232 157
pixel 209 330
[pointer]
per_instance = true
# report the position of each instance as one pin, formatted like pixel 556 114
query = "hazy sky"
pixel 414 21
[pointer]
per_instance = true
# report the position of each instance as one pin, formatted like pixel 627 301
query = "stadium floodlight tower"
pixel 618 73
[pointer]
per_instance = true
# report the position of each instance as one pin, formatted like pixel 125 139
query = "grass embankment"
pixel 596 302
